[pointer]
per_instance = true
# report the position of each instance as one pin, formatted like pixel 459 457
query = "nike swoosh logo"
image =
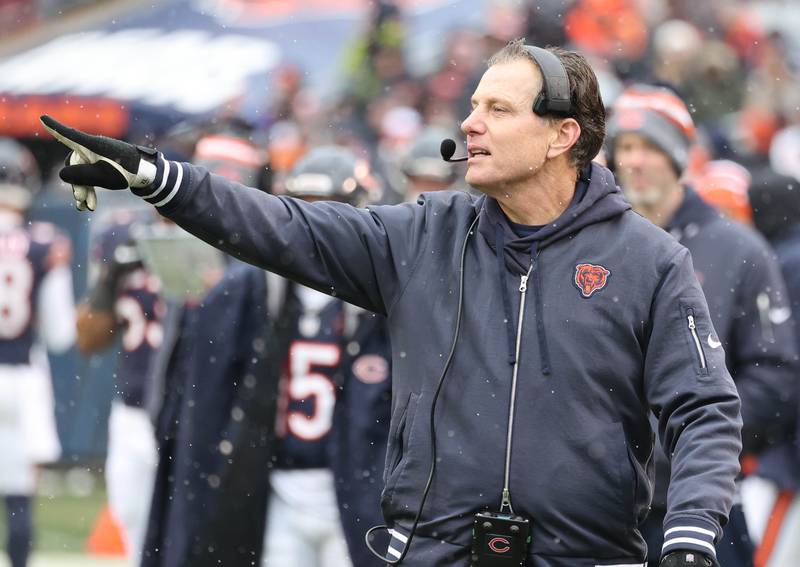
pixel 712 343
pixel 779 315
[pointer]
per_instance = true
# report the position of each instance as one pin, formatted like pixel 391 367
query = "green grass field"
pixel 65 511
pixel 67 560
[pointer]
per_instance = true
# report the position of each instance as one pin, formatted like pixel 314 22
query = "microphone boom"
pixel 447 149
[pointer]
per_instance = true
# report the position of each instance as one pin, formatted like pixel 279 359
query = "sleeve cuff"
pixel 166 185
pixel 689 534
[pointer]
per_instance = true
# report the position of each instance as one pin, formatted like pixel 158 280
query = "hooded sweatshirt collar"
pixel 691 215
pixel 597 198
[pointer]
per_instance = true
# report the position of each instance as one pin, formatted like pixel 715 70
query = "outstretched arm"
pixel 364 256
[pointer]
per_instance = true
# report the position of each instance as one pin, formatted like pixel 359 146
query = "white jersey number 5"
pixel 305 384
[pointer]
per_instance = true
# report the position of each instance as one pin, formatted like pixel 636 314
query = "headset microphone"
pixel 447 149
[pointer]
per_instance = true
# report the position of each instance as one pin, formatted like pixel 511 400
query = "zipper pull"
pixel 506 500
pixel 523 284
pixel 690 317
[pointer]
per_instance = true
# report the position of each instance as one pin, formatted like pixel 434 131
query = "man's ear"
pixel 567 133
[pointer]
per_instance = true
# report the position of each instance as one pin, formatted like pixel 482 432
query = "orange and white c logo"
pixel 499 545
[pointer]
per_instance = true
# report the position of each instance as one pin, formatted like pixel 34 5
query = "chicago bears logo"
pixel 499 545
pixel 589 278
pixel 371 369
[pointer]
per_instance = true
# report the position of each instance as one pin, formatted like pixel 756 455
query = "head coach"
pixel 533 330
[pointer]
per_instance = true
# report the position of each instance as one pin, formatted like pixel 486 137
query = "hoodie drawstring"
pixel 501 273
pixel 544 352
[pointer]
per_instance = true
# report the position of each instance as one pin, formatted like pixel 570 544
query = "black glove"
pixel 688 559
pixel 102 162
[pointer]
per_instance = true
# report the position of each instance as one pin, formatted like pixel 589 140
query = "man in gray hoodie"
pixel 533 330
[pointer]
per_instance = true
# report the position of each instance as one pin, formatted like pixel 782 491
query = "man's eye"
pixel 498 109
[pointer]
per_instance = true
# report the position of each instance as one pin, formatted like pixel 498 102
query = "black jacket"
pixel 610 319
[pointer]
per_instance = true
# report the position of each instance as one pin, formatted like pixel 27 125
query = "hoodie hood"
pixel 692 213
pixel 597 199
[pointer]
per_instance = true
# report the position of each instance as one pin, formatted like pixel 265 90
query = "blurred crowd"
pixel 735 63
pixel 18 15
pixel 732 62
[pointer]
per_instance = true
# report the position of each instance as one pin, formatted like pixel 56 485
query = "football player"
pixel 36 309
pixel 303 524
pixel 423 166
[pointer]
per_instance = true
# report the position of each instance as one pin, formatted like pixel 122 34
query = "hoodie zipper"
pixel 698 345
pixel 523 290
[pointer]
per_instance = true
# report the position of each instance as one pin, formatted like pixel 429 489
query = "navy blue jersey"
pixel 308 392
pixel 27 254
pixel 138 308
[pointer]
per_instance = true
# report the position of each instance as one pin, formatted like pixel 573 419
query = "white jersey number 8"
pixel 16 284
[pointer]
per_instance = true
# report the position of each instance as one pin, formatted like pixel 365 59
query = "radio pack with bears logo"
pixel 499 540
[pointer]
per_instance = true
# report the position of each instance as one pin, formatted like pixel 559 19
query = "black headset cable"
pixel 432 470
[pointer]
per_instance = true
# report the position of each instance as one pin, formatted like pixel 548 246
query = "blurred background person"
pixel 36 311
pixel 423 166
pixel 770 495
pixel 304 527
pixel 375 62
pixel 286 143
pixel 649 135
pixel 724 185
pixel 399 128
pixel 124 307
pixel 211 395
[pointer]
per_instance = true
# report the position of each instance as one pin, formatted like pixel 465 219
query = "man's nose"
pixel 629 159
pixel 473 124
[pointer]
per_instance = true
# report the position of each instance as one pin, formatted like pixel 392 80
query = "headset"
pixel 554 97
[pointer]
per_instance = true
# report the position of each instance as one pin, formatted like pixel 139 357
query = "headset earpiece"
pixel 554 97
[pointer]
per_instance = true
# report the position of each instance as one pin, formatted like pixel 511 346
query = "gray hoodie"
pixel 609 331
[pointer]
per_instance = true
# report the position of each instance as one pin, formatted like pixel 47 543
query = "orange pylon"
pixel 106 538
